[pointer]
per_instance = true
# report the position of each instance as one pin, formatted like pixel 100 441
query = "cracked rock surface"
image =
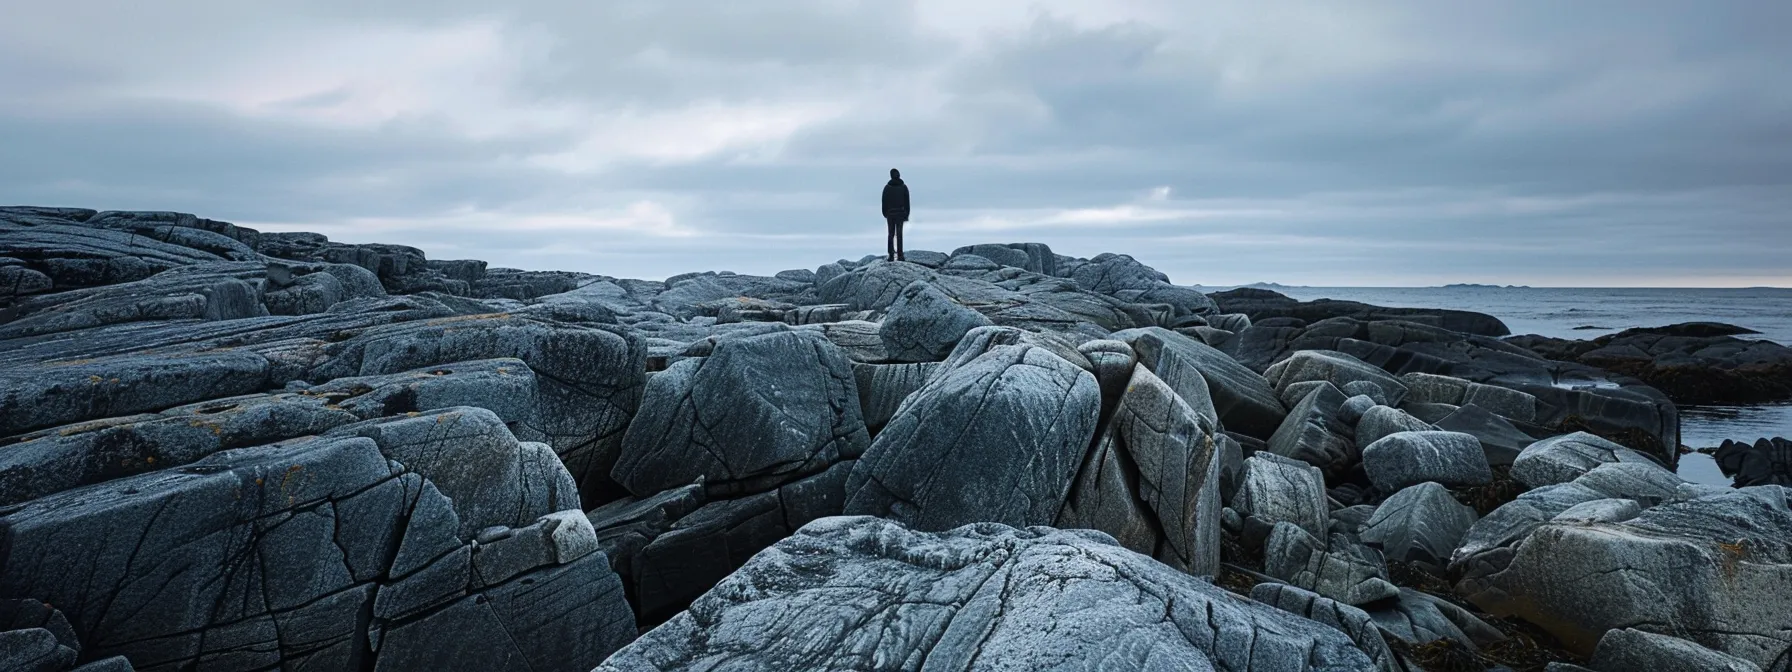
pixel 224 449
pixel 860 593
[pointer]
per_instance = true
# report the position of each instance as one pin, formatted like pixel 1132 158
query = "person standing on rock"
pixel 896 212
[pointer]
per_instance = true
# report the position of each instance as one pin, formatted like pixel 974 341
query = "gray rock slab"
pixel 1418 618
pixel 923 324
pixel 1627 649
pixel 883 387
pixel 998 438
pixel 1353 622
pixel 1409 458
pixel 1429 388
pixel 1242 399
pixel 1379 421
pixel 1714 570
pixel 982 597
pixel 1500 440
pixel 1504 402
pixel 1278 489
pixel 1156 484
pixel 1336 567
pixel 1336 368
pixel 1420 524
pixel 1315 432
pixel 761 410
pixel 1560 459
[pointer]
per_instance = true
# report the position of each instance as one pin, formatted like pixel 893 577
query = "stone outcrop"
pixel 999 438
pixel 1714 569
pixel 1263 304
pixel 980 597
pixel 1764 462
pixel 1693 363
pixel 234 450
pixel 759 411
pixel 328 553
pixel 1408 458
pixel 1568 396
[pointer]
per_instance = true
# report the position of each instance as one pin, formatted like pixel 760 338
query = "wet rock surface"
pixel 1693 363
pixel 258 450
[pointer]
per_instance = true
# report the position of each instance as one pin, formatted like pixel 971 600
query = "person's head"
pixel 894 174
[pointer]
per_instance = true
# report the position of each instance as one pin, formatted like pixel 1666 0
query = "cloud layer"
pixel 1377 143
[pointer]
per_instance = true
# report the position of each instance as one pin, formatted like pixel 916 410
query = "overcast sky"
pixel 1328 143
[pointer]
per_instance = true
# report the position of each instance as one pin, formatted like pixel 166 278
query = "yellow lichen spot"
pixel 94 379
pixel 149 460
pixel 1732 555
pixel 411 414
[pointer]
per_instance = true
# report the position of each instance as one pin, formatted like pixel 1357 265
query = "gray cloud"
pixel 1380 143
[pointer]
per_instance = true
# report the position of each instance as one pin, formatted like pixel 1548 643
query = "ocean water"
pixel 1567 312
pixel 1557 312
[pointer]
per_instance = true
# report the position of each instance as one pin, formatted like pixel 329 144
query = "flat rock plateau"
pixel 222 449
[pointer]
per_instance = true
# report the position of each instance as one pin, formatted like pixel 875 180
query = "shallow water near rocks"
pixel 1708 426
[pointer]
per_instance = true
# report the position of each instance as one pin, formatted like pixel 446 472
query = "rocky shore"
pixel 1693 363
pixel 224 449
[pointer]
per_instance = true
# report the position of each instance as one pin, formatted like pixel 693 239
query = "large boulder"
pixel 873 286
pixel 1380 421
pixel 1500 440
pixel 1560 459
pixel 1715 569
pixel 1764 462
pixel 1336 567
pixel 997 438
pixel 1420 524
pixel 1337 368
pixel 1155 482
pixel 981 597
pixel 470 456
pixel 1277 489
pixel 883 388
pixel 1244 400
pixel 1351 621
pixel 1408 458
pixel 326 553
pixel 923 324
pixel 1124 278
pixel 691 554
pixel 1315 432
pixel 1631 649
pixel 759 411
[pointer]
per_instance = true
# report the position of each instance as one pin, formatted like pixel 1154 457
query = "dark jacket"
pixel 896 200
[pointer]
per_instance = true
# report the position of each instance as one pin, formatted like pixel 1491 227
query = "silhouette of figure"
pixel 896 212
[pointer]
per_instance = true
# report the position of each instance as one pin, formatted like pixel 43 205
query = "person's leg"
pixel 890 239
pixel 899 255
